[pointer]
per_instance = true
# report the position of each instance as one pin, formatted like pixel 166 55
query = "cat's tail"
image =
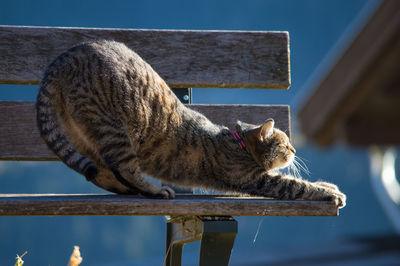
pixel 52 130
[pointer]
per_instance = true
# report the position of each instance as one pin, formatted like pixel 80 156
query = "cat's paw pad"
pixel 338 198
pixel 166 193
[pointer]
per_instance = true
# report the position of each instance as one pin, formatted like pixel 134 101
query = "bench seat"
pixel 182 205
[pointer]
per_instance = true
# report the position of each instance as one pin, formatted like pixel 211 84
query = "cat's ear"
pixel 267 129
pixel 239 126
pixel 258 132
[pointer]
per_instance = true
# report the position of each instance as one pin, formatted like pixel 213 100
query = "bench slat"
pixel 187 205
pixel 20 139
pixel 220 59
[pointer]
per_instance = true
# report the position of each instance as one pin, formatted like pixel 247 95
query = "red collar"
pixel 238 139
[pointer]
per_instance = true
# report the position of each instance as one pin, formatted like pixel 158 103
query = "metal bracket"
pixel 183 94
pixel 216 233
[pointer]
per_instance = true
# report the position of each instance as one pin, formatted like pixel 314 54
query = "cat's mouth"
pixel 289 160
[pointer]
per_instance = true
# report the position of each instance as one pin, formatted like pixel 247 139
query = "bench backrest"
pixel 218 59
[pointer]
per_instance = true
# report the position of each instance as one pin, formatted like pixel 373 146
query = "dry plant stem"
pixel 75 258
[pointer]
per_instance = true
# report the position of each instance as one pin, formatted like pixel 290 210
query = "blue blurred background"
pixel 315 27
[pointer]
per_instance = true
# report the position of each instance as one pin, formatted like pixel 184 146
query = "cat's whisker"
pixel 302 160
pixel 295 170
pixel 304 167
pixel 301 164
pixel 299 169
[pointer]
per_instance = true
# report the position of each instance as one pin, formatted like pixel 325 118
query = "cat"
pixel 109 116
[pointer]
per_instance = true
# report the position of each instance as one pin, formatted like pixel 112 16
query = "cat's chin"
pixel 279 165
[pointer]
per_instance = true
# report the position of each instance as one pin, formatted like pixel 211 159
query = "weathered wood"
pixel 187 205
pixel 223 59
pixel 229 114
pixel 20 139
pixel 363 81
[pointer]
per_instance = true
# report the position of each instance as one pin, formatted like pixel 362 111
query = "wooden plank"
pixel 187 205
pixel 229 114
pixel 220 59
pixel 20 139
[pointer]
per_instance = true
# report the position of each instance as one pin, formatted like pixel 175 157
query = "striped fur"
pixel 109 116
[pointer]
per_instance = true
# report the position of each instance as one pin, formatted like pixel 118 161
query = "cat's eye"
pixel 282 146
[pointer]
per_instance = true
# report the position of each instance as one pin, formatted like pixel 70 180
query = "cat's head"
pixel 269 146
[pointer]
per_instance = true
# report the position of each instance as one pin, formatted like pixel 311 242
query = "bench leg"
pixel 173 250
pixel 217 241
pixel 217 236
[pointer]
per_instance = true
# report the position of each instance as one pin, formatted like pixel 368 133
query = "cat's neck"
pixel 228 151
pixel 218 141
pixel 230 163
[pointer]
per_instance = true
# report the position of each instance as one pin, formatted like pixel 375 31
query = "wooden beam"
pixel 375 120
pixel 220 59
pixel 369 63
pixel 20 138
pixel 187 205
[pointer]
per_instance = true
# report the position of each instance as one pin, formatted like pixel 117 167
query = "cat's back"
pixel 99 79
pixel 106 74
pixel 98 59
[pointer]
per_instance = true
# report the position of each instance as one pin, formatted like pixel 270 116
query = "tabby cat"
pixel 109 116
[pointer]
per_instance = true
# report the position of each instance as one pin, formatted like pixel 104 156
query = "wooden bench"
pixel 185 59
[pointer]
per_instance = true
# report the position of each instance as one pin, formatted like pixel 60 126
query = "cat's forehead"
pixel 280 136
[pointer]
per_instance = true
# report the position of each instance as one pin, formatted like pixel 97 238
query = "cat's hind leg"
pixel 133 179
pixel 123 163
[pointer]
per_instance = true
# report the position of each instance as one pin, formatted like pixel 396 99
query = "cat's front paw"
pixel 166 193
pixel 338 198
pixel 335 195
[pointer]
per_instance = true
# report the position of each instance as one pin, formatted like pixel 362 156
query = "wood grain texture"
pixel 220 59
pixel 187 205
pixel 20 138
